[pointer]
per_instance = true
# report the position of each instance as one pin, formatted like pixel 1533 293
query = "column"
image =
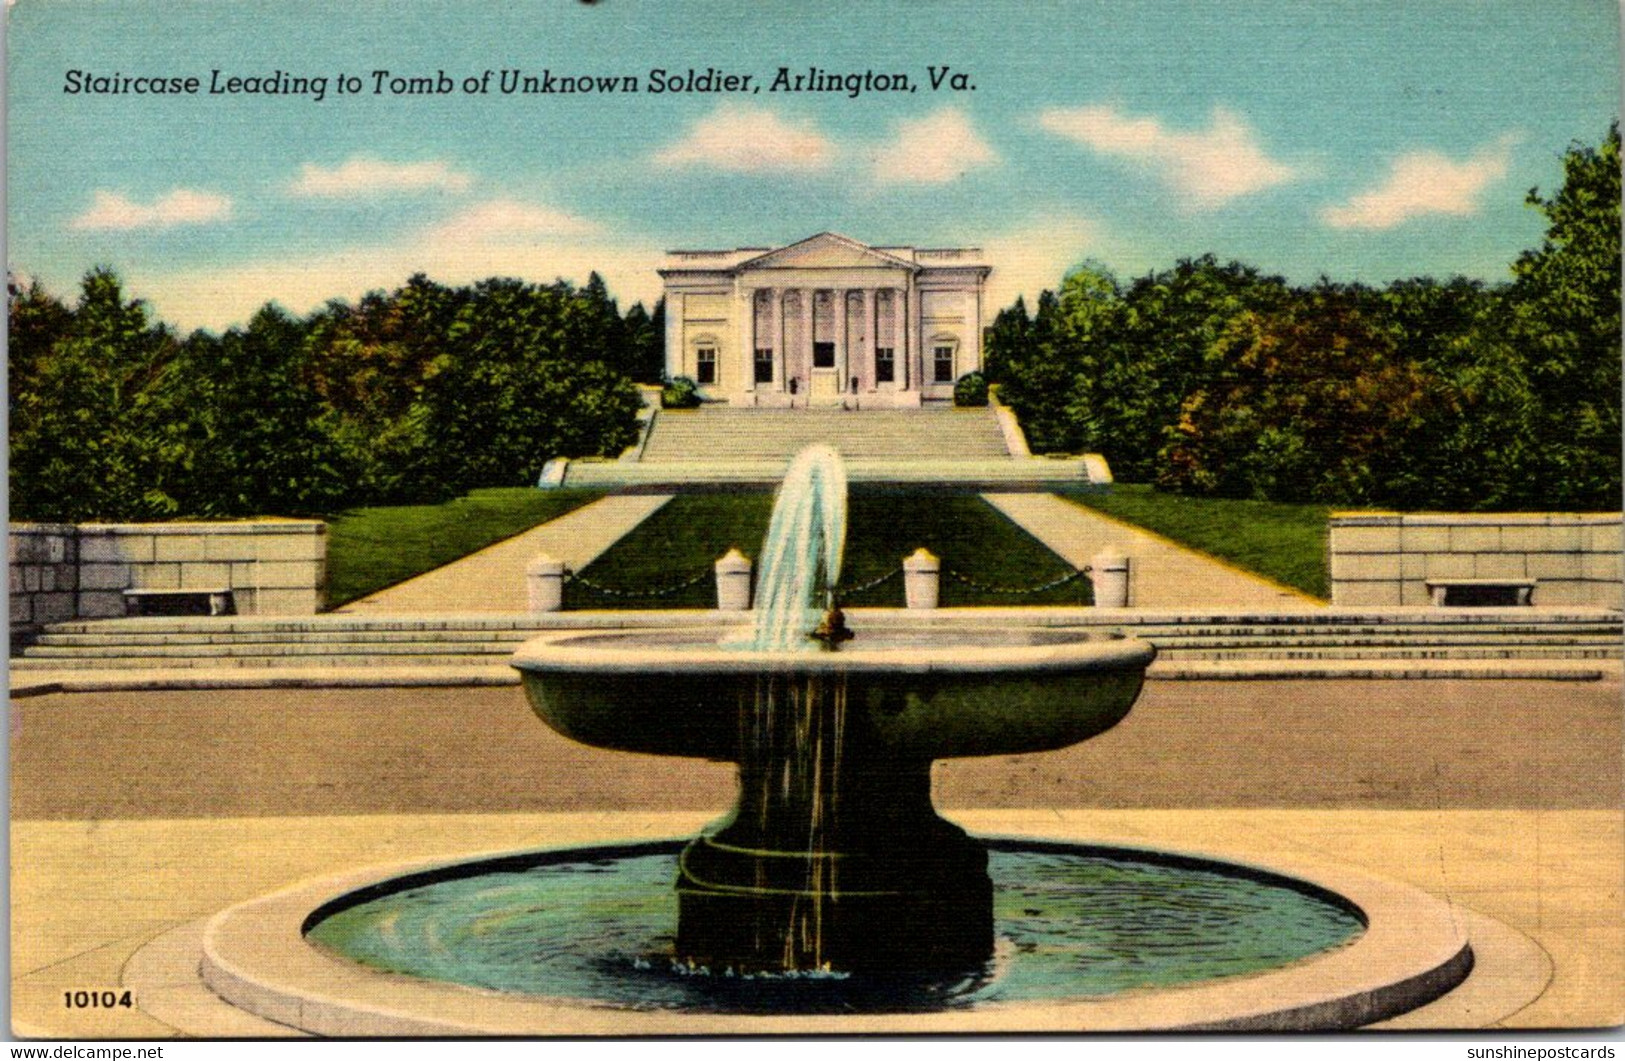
pixel 917 336
pixel 866 356
pixel 905 337
pixel 804 357
pixel 775 334
pixel 843 356
pixel 746 337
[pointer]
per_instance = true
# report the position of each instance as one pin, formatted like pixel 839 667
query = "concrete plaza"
pixel 135 814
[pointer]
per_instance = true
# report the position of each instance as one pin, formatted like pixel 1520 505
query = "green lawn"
pixel 370 548
pixel 1285 542
pixel 686 536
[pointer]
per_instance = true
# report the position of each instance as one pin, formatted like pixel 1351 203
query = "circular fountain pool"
pixel 1071 921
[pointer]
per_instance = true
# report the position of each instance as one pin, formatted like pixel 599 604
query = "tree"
pixel 1563 323
pixel 257 435
pixel 1309 402
pixel 92 430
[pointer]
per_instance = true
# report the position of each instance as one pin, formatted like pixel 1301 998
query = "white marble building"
pixel 826 321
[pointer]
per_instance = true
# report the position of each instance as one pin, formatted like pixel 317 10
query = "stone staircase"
pixel 1417 635
pixel 777 435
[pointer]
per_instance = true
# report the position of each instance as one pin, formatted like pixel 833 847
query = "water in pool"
pixel 1071 922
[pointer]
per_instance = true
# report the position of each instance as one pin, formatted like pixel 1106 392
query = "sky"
pixel 1368 140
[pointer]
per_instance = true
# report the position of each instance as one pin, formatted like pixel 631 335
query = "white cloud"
pixel 1206 168
pixel 498 238
pixel 183 206
pixel 1423 183
pixel 742 139
pixel 361 177
pixel 1037 254
pixel 934 149
pixel 505 221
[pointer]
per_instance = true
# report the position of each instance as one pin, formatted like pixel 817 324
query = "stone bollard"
pixel 544 583
pixel 733 582
pixel 921 580
pixel 1109 571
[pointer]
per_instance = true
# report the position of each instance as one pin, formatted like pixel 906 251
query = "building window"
pixel 823 355
pixel 705 365
pixel 764 365
pixel 885 365
pixel 942 362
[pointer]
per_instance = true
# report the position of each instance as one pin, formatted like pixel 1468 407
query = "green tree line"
pixel 1212 378
pixel 414 395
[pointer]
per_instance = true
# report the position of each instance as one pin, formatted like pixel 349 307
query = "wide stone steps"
pixel 483 641
pixel 761 435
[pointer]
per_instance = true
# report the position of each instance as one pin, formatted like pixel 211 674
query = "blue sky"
pixel 1369 140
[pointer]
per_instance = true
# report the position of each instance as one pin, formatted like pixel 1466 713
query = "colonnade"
pixel 784 321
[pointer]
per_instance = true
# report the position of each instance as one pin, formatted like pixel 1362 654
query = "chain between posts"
pixel 852 591
pixel 575 578
pixel 1017 591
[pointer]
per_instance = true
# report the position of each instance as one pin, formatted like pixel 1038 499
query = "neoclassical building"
pixel 825 321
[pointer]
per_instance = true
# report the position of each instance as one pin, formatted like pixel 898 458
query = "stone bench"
pixel 1481 592
pixel 212 601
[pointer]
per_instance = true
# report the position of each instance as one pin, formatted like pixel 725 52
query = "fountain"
pixel 833 858
pixel 833 886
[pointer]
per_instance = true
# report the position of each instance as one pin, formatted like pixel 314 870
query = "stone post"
pixel 921 580
pixel 544 583
pixel 733 582
pixel 1109 571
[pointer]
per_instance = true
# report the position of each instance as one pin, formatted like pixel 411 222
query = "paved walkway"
pixel 1161 573
pixel 493 579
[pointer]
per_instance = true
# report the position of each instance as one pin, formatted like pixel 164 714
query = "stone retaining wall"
pixel 44 562
pixel 1381 559
pixel 63 571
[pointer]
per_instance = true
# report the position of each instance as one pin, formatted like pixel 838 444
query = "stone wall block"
pixel 22 610
pixel 1601 567
pixel 1449 565
pixel 290 546
pixel 230 546
pixel 17 579
pixel 1539 539
pixel 100 604
pixel 31 578
pixel 156 576
pixel 114 547
pixel 1546 566
pixel 205 576
pixel 178 547
pixel 1475 539
pixel 1365 567
pixel 284 602
pixel 1425 539
pixel 1499 565
pixel 104 576
pixel 1604 539
pixel 280 574
pixel 1366 539
pixel 1563 592
pixel 53 607
pixel 1366 594
pixel 1413 566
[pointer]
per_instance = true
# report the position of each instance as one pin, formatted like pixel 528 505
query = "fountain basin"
pixel 833 858
pixel 918 694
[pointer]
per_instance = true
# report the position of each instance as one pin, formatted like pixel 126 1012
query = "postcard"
pixel 696 518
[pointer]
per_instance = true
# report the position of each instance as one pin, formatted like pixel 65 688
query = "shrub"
pixel 971 389
pixel 680 393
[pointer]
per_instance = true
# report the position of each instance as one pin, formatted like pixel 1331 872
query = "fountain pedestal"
pixel 833 858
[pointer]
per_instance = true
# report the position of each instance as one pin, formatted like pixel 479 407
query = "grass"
pixel 371 548
pixel 1284 542
pixel 685 537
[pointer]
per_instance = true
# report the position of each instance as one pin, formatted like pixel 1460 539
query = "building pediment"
pixel 826 251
